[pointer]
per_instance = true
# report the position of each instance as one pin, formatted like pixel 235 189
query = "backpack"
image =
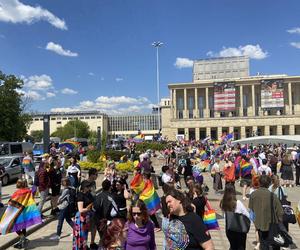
pixel 105 207
pixel 73 208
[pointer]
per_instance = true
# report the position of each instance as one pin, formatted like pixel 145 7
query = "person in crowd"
pixel 81 152
pixel 2 173
pixel 132 151
pixel 55 177
pixel 190 192
pixel 199 200
pixel 43 180
pixel 53 150
pixel 167 176
pixel 64 208
pixel 114 234
pixel 140 233
pixel 187 170
pixel 216 172
pixel 297 167
pixel 82 218
pixel 246 170
pixel 110 171
pixel 260 207
pixel 229 203
pixel 92 177
pixel 229 171
pixel 62 160
pixel 287 171
pixel 119 197
pixel 181 210
pixel 165 211
pixel 28 167
pixel 74 172
pixel 273 160
pixel 145 163
pixel 264 168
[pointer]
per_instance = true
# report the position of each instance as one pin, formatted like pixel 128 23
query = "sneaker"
pixel 55 237
pixel 93 246
pixel 1 204
pixel 19 245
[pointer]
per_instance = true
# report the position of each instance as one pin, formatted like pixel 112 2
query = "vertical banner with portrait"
pixel 224 96
pixel 272 93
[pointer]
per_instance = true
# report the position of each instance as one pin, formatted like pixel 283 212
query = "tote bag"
pixel 210 218
pixel 236 222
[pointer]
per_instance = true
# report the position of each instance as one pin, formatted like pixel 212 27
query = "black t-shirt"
pixel 195 229
pixel 86 198
pixel 119 199
pixel 199 203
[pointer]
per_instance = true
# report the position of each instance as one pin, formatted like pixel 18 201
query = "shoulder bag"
pixel 289 215
pixel 236 222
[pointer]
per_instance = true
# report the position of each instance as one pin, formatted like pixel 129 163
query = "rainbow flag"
pixel 150 197
pixel 137 184
pixel 246 168
pixel 20 213
pixel 203 155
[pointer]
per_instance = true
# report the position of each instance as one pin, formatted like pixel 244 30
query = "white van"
pixel 15 148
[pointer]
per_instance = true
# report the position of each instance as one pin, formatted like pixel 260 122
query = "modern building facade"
pixel 245 106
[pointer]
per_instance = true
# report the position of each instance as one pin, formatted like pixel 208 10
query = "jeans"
pixel 64 214
pixel 43 198
pixel 28 175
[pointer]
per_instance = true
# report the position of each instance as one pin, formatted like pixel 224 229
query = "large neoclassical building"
pixel 246 106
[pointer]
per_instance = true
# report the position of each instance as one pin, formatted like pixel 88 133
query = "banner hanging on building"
pixel 272 93
pixel 224 96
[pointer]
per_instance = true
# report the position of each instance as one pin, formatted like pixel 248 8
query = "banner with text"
pixel 272 93
pixel 224 96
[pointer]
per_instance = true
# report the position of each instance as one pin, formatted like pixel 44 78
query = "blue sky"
pixel 97 54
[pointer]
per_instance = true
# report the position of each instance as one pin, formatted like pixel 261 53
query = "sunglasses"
pixel 136 213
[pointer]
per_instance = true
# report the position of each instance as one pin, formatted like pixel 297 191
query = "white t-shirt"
pixel 241 209
pixel 166 178
pixel 264 168
pixel 72 169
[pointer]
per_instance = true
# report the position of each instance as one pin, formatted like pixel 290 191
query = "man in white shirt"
pixel 264 168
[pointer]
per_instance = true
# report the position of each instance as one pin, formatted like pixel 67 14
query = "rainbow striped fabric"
pixel 137 184
pixel 203 155
pixel 150 197
pixel 246 168
pixel 210 220
pixel 20 213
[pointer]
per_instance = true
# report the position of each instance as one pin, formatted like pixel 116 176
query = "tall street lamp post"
pixel 157 45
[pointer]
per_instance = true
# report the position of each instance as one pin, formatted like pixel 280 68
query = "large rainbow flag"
pixel 246 168
pixel 137 184
pixel 150 197
pixel 20 213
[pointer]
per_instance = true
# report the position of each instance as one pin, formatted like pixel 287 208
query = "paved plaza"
pixel 40 238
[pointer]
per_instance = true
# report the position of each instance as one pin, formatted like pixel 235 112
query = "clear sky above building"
pixel 97 54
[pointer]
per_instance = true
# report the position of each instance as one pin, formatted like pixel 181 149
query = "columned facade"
pixel 193 111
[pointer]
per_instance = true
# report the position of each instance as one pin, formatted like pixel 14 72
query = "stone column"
pixel 292 130
pixel 172 104
pixel 208 132
pixel 197 134
pixel 267 130
pixel 185 109
pixel 243 132
pixel 253 100
pixel 175 104
pixel 219 132
pixel 186 134
pixel 279 130
pixel 196 111
pixel 231 130
pixel 290 98
pixel 241 101
pixel 206 103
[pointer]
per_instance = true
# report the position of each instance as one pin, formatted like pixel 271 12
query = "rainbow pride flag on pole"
pixel 20 213
pixel 150 197
pixel 246 168
pixel 137 184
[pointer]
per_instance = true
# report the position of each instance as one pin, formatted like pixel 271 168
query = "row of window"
pixel 69 118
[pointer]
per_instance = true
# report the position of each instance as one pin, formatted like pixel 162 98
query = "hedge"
pixel 155 146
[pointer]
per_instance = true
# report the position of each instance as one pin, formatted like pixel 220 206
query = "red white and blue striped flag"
pixel 224 96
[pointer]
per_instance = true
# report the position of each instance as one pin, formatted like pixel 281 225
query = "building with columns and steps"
pixel 234 103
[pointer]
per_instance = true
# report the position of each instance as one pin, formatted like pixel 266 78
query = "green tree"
pixel 103 141
pixel 72 129
pixel 13 120
pixel 37 135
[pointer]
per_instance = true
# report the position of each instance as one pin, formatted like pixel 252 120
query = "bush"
pixel 93 155
pixel 125 166
pixel 115 155
pixel 85 165
pixel 155 146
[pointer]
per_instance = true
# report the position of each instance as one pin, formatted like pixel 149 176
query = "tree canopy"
pixel 13 120
pixel 75 128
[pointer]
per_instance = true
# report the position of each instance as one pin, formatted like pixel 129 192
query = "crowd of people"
pixel 124 212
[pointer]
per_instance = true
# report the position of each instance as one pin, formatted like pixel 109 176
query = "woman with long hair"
pixel 229 203
pixel 114 234
pixel 287 171
pixel 82 218
pixel 199 200
pixel 140 233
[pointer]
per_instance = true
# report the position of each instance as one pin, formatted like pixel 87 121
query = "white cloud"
pixel 102 78
pixel 33 95
pixel 2 36
pixel 295 44
pixel 35 82
pixel 58 49
pixel 16 12
pixel 183 63
pixel 68 91
pixel 50 94
pixel 118 79
pixel 91 74
pixel 253 51
pixel 112 105
pixel 294 30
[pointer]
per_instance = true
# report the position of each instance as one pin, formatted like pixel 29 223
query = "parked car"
pixel 13 168
pixel 15 148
